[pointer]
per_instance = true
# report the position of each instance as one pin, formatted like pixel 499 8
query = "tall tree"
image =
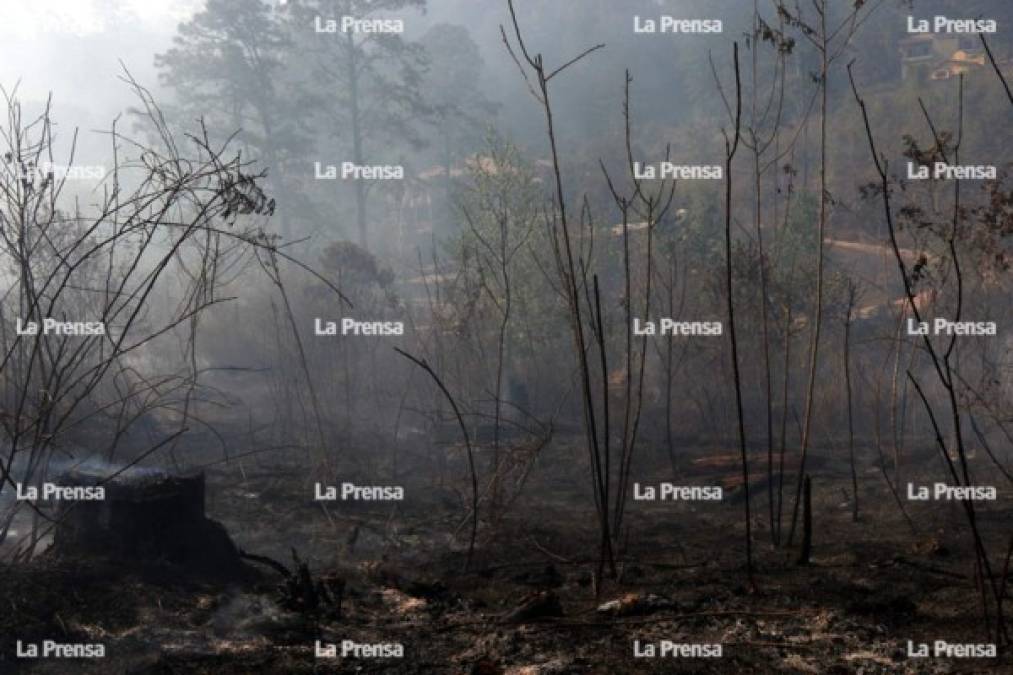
pixel 830 37
pixel 228 65
pixel 452 84
pixel 372 80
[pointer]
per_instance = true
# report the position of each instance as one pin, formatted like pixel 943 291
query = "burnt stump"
pixel 146 516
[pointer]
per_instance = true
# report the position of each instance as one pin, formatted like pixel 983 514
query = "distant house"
pixel 633 228
pixel 961 62
pixel 935 56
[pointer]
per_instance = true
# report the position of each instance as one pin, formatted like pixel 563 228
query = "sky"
pixel 72 47
pixel 84 17
pixel 73 50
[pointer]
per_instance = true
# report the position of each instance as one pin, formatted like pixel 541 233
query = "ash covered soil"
pixel 531 601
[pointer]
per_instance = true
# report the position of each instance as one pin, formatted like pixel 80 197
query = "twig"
pixel 422 363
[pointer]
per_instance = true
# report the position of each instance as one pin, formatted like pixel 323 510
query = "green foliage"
pixel 359 275
pixel 503 249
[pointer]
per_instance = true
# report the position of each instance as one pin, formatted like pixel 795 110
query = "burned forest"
pixel 512 337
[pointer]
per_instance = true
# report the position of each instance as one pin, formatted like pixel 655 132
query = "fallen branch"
pixel 268 562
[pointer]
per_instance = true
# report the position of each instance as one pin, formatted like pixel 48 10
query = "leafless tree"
pixel 942 357
pixel 174 214
pixel 573 275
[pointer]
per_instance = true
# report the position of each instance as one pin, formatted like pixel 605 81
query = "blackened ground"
pixel 871 585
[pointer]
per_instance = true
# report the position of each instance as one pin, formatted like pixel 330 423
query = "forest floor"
pixel 531 602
